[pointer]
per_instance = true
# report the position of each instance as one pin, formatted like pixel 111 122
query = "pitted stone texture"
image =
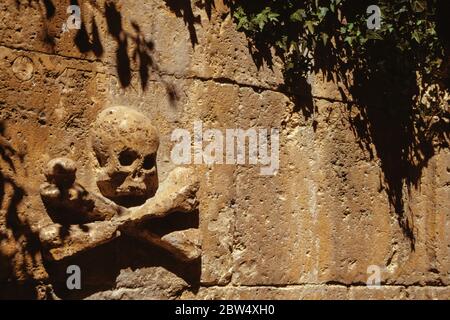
pixel 186 42
pixel 428 293
pixel 38 26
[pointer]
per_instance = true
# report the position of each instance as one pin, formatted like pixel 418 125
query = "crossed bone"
pixel 176 194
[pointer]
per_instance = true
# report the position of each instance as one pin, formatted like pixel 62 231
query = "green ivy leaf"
pixel 349 40
pixel 322 12
pixel 261 20
pixel 298 15
pixel 309 24
pixel 273 16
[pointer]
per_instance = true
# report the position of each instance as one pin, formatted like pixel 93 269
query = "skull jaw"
pixel 129 194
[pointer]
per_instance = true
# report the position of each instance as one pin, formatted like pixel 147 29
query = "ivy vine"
pixel 332 36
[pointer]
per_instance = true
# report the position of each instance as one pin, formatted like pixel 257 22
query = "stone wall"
pixel 343 199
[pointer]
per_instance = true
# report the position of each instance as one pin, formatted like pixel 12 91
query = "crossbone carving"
pixel 126 176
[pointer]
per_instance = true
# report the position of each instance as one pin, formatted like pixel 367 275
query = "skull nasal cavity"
pixel 127 157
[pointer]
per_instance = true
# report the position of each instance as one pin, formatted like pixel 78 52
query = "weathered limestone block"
pixel 216 106
pixel 383 293
pixel 307 292
pixel 336 222
pixel 428 293
pixel 323 292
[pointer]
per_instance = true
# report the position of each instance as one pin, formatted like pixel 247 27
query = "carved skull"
pixel 125 144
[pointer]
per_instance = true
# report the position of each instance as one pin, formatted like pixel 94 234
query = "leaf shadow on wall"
pixel 183 9
pixel 13 229
pixel 141 55
pixel 142 49
pixel 381 105
pixel 388 120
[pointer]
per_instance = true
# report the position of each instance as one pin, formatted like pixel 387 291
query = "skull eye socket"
pixel 127 157
pixel 149 161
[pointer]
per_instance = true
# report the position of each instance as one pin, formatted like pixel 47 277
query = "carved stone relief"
pixel 124 147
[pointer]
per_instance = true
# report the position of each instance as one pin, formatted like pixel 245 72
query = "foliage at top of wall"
pixel 332 36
